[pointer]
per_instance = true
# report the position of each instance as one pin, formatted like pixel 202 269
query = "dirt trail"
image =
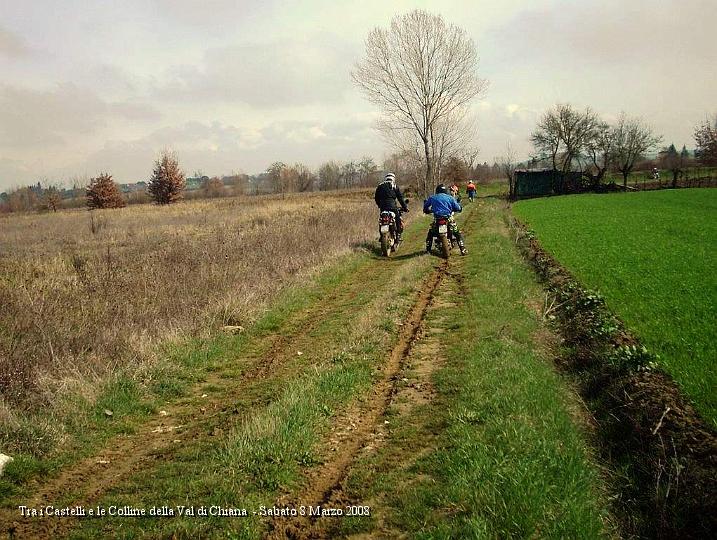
pixel 405 383
pixel 198 416
pixel 323 484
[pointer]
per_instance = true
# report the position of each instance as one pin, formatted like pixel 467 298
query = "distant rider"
pixel 455 190
pixel 443 205
pixel 471 190
pixel 388 197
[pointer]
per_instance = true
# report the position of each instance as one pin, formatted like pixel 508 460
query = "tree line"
pixel 168 184
pixel 571 140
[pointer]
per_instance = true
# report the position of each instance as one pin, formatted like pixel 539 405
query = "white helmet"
pixel 390 177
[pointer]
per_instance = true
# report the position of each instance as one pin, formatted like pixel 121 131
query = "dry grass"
pixel 83 294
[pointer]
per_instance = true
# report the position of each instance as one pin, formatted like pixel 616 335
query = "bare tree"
pixel 632 139
pixel 367 170
pixel 304 177
pixel 167 182
pixel 706 140
pixel 507 164
pixel 349 174
pixel 51 198
pixel 451 137
pixel 600 149
pixel 674 161
pixel 419 72
pixel 329 175
pixel 274 173
pixel 562 134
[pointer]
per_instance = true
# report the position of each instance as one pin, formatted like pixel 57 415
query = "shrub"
pixel 104 193
pixel 167 183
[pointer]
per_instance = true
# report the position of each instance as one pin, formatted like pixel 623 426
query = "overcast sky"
pixel 90 86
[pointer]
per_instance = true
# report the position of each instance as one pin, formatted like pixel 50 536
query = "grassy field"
pixel 89 299
pixel 653 257
pixel 446 420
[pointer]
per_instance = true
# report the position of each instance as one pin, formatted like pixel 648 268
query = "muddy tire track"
pixel 323 483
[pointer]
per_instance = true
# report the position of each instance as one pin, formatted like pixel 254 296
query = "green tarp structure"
pixel 541 182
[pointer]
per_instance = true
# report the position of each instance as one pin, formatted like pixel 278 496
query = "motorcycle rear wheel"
pixel 385 245
pixel 445 246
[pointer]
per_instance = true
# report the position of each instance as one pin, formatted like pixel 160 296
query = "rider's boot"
pixel 398 238
pixel 462 247
pixel 429 244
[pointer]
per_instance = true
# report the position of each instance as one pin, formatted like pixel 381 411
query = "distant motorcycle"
pixel 388 232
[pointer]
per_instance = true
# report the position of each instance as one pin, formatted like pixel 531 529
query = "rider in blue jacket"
pixel 443 205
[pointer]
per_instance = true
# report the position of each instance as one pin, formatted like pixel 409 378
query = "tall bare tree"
pixel 419 71
pixel 632 139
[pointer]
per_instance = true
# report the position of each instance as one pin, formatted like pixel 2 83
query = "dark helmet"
pixel 441 188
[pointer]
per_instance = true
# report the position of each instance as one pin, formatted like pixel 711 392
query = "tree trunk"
pixel 625 172
pixel 674 178
pixel 429 167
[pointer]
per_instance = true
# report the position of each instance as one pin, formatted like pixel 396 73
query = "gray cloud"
pixel 613 33
pixel 38 118
pixel 272 75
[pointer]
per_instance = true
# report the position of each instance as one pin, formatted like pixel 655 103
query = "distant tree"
pixel 167 183
pixel 366 171
pixel 706 141
pixel 213 187
pixel 277 181
pixel 419 72
pixel 600 150
pixel 349 174
pixel 563 134
pixel 103 193
pixel 329 175
pixel 673 161
pixel 507 164
pixel 632 139
pixel 239 182
pixel 22 199
pixel 455 170
pixel 51 198
pixel 305 179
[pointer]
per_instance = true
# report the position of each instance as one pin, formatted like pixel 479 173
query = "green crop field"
pixel 653 256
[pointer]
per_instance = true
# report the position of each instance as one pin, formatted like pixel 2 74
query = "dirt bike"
pixel 442 233
pixel 389 232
